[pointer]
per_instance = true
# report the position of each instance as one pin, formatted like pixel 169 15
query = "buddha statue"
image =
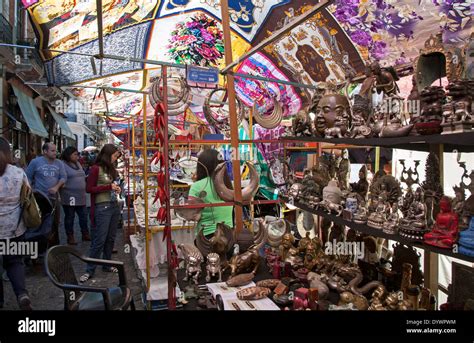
pixel 445 231
pixel 466 240
pixel 391 224
pixel 379 216
pixel 362 186
pixel 332 193
pixel 414 225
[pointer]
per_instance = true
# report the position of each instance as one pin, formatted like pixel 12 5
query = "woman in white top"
pixel 12 229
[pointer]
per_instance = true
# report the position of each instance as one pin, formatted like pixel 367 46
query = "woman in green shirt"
pixel 204 188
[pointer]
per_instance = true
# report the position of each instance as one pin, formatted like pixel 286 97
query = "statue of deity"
pixel 445 231
pixel 414 225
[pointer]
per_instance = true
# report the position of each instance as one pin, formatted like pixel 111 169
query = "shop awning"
pixel 30 113
pixel 65 129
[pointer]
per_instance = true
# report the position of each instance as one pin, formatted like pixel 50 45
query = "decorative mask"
pixel 330 108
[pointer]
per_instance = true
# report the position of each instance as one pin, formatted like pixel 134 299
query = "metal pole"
pixel 145 195
pixel 15 29
pixel 127 137
pixel 133 174
pixel 100 29
pixel 261 78
pixel 161 63
pixel 234 125
pixel 171 286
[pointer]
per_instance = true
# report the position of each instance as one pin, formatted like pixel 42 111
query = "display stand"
pixel 436 144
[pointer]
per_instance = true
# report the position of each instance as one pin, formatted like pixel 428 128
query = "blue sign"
pixel 202 75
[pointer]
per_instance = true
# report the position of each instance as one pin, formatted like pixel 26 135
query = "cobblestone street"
pixel 45 296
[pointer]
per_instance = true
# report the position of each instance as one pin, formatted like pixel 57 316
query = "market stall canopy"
pixel 339 40
pixel 65 129
pixel 30 113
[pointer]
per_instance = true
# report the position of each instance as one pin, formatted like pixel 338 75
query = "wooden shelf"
pixel 462 142
pixel 363 228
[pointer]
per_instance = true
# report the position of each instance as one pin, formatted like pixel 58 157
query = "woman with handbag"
pixel 105 211
pixel 12 226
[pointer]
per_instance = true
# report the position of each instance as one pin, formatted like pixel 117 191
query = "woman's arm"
pixel 92 182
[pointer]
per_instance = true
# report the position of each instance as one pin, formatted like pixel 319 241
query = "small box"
pixel 280 289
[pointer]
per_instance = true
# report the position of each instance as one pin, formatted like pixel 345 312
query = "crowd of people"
pixel 81 184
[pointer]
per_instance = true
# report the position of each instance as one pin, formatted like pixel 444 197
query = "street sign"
pixel 18 125
pixel 202 77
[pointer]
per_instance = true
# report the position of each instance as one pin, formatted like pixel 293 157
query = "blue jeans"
pixel 70 214
pixel 15 268
pixel 106 219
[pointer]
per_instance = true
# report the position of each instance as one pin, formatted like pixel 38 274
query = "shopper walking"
pixel 73 195
pixel 12 228
pixel 105 212
pixel 47 175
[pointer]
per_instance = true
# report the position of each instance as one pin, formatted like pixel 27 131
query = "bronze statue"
pixel 379 216
pixel 391 224
pixel 301 124
pixel 249 260
pixel 414 225
pixel 361 113
pixel 385 79
pixel 213 267
pixel 303 243
pixel 386 185
pixel 457 114
pixel 221 243
pixel 361 187
pixel 192 259
pixel 343 171
pixel 287 242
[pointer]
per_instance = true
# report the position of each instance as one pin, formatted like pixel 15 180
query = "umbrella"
pixel 91 148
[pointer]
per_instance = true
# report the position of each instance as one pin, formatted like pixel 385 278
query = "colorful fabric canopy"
pixel 339 40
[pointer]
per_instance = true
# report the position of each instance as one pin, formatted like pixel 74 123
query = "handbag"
pixel 30 211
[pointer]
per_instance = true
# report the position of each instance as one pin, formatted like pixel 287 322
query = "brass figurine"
pixel 213 267
pixel 192 259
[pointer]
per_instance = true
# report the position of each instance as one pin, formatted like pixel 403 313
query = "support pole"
pixel 100 29
pixel 127 137
pixel 430 263
pixel 234 125
pixel 167 231
pixel 145 196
